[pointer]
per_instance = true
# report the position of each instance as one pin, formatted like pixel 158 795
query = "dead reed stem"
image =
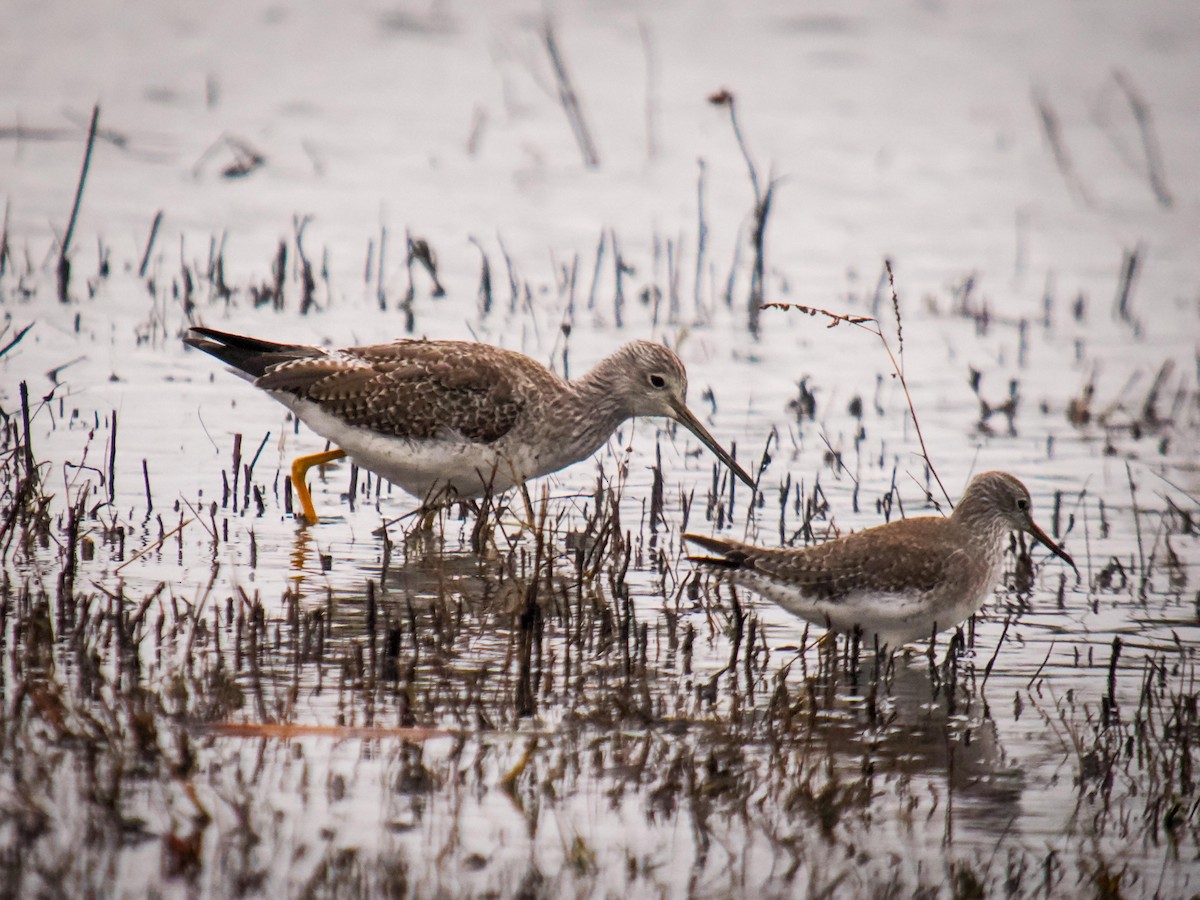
pixel 1058 148
pixel 158 217
pixel 16 339
pixel 569 98
pixel 64 264
pixel 27 444
pixel 872 326
pixel 1153 155
pixel 4 250
pixel 1130 261
pixel 762 209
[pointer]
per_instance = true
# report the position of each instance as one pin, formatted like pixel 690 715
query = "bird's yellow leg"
pixel 300 469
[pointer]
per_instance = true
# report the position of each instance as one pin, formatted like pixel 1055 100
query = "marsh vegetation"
pixel 538 695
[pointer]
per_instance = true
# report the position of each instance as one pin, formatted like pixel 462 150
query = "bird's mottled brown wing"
pixel 862 562
pixel 414 389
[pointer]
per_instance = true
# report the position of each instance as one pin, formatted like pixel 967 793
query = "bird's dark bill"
pixel 691 423
pixel 1044 539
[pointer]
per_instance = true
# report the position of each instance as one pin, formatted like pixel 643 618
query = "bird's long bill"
pixel 1044 538
pixel 684 417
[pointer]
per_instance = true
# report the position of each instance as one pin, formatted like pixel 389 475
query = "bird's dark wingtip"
pixel 199 336
pixel 196 338
pixel 713 545
pixel 248 355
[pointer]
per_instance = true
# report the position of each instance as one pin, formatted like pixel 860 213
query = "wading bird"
pixel 897 582
pixel 451 420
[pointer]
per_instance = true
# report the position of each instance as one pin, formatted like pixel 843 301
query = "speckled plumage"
pixel 454 419
pixel 896 582
pixel 417 389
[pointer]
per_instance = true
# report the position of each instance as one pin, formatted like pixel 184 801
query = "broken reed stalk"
pixel 419 251
pixel 762 208
pixel 591 304
pixel 17 338
pixel 158 217
pixel 569 99
pixel 620 268
pixel 183 523
pixel 514 287
pixel 146 479
pixel 872 326
pixel 28 444
pixel 308 284
pixel 484 294
pixel 64 264
pixel 987 670
pixel 112 460
pixel 1141 115
pixel 1137 525
pixel 249 469
pixel 4 252
pixel 1130 261
pixel 237 465
pixel 380 296
pixel 1112 673
pixel 529 617
pixel 279 276
pixel 1062 157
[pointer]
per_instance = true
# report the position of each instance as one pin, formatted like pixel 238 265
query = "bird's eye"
pixel 1022 504
pixel 657 381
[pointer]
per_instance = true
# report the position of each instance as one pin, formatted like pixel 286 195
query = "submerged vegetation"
pixel 535 695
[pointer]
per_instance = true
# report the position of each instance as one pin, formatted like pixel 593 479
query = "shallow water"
pixel 1052 756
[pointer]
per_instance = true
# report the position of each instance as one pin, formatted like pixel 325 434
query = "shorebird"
pixel 897 582
pixel 450 419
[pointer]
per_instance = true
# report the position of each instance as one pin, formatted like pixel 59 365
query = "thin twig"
pixel 569 99
pixel 1058 148
pixel 158 217
pixel 1129 269
pixel 87 160
pixel 725 98
pixel 16 340
pixel 1036 674
pixel 762 208
pixel 1137 523
pixel 987 671
pixel 872 326
pixel 484 294
pixel 158 543
pixel 1141 115
pixel 4 251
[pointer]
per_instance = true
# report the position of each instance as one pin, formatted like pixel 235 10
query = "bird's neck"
pixel 977 516
pixel 590 412
pixel 604 408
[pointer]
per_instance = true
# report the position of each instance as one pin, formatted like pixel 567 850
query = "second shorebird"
pixel 452 419
pixel 896 582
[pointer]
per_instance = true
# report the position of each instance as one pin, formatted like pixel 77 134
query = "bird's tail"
pixel 248 355
pixel 732 555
